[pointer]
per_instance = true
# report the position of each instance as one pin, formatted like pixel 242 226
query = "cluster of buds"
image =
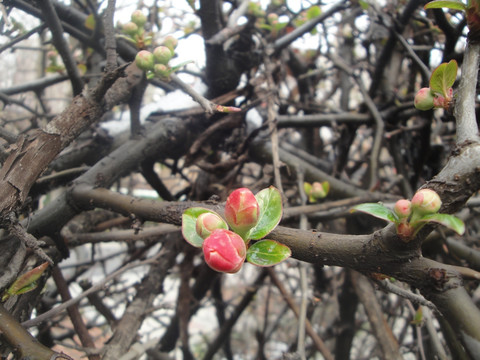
pixel 424 202
pixel 225 250
pixel 53 65
pixel 316 191
pixel 155 63
pixel 409 216
pixel 426 99
pixel 134 30
pixel 227 241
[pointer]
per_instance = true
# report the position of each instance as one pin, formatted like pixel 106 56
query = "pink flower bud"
pixel 403 208
pixel 272 18
pixel 162 55
pixel 144 60
pixel 424 99
pixel 138 18
pixel 170 42
pixel 426 201
pixel 130 28
pixel 224 251
pixel 207 223
pixel 405 231
pixel 318 190
pixel 52 55
pixel 162 71
pixel 242 210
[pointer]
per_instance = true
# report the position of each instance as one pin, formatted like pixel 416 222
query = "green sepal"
pixel 447 220
pixel 189 221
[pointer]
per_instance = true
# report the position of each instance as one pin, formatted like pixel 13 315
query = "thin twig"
pixel 319 344
pixel 397 290
pixel 56 28
pixel 303 276
pixel 379 130
pixel 73 312
pixel 110 42
pixel 97 287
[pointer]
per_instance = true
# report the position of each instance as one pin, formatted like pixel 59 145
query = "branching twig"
pixel 394 289
pixel 206 104
pixel 25 344
pixel 74 312
pixel 97 287
pixel 319 344
pixel 61 45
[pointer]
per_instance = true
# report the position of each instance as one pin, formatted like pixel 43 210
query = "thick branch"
pixel 465 117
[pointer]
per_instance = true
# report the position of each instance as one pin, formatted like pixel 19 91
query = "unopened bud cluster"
pixel 316 190
pixel 156 63
pixel 225 250
pixel 424 202
pixel 134 30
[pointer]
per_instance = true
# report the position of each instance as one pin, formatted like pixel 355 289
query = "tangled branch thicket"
pixel 325 94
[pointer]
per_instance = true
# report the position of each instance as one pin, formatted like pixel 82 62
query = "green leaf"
pixel 447 220
pixel 270 204
pixel 267 253
pixel 189 221
pixel 443 78
pixel 363 4
pixel 313 12
pixel 449 4
pixel 377 210
pixel 26 282
pixel 90 22
pixel 179 66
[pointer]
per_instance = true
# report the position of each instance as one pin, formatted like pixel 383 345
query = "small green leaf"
pixel 447 220
pixel 179 66
pixel 449 4
pixel 363 4
pixel 90 22
pixel 270 203
pixel 377 210
pixel 267 253
pixel 418 318
pixel 443 78
pixel 26 282
pixel 313 12
pixel 189 221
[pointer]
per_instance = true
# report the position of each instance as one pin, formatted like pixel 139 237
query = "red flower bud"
pixel 424 99
pixel 224 251
pixel 162 55
pixel 403 208
pixel 144 60
pixel 242 210
pixel 207 223
pixel 426 201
